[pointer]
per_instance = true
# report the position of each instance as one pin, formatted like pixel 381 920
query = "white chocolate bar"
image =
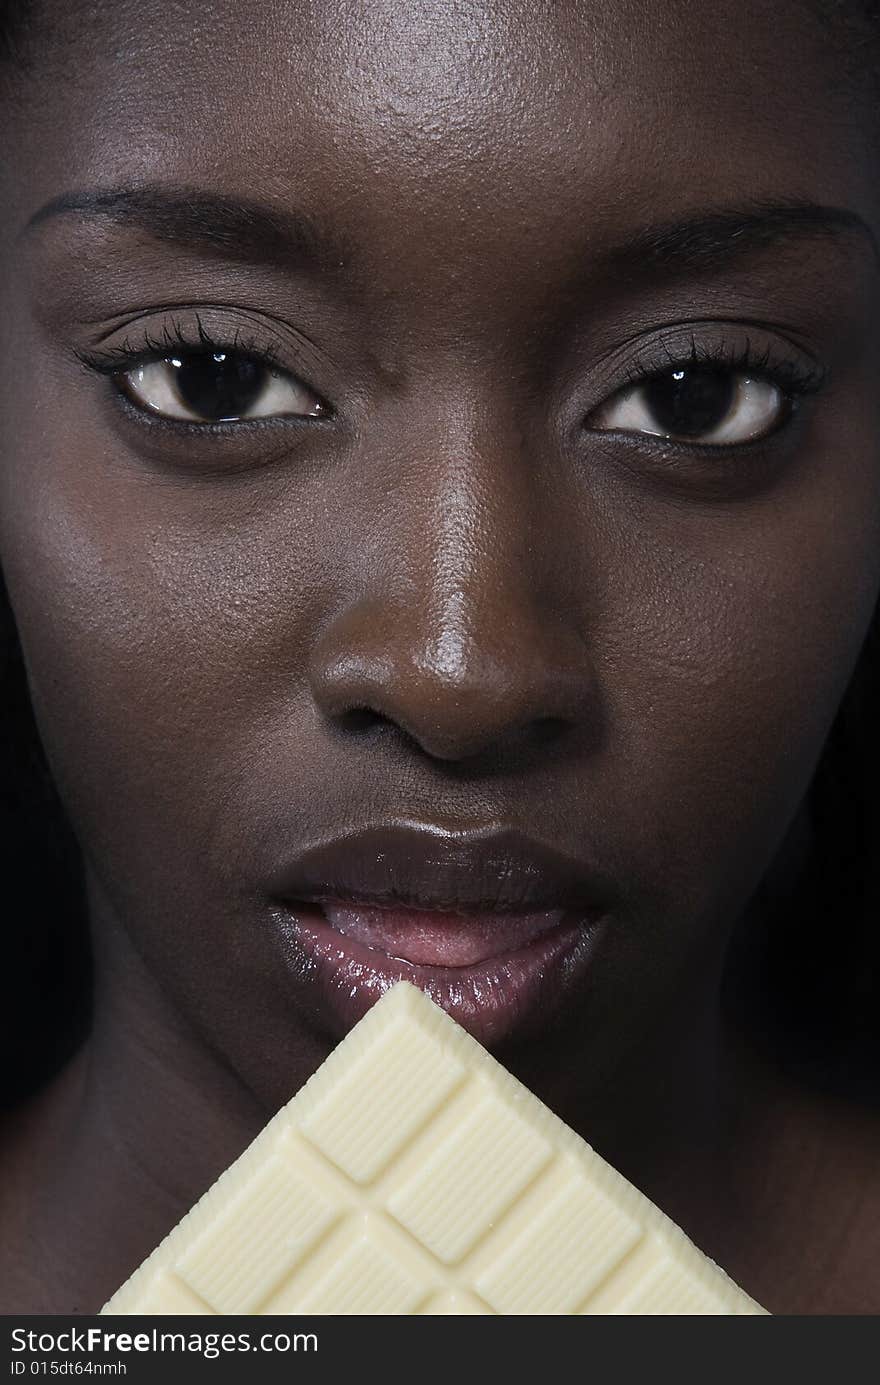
pixel 413 1174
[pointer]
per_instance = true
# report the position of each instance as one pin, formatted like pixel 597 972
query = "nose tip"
pixel 457 693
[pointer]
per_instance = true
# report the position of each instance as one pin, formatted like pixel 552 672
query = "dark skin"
pixel 643 644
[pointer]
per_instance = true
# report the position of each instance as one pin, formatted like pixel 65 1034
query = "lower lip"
pixel 510 994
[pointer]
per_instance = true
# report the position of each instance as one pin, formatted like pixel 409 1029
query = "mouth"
pixel 496 928
pixel 511 989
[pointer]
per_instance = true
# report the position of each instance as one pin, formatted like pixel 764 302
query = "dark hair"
pixel 819 1004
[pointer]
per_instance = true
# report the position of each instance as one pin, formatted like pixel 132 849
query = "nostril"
pixel 359 719
pixel 546 729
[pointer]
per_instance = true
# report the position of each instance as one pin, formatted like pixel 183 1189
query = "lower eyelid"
pixel 146 418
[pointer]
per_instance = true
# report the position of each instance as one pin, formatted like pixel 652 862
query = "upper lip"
pixel 424 867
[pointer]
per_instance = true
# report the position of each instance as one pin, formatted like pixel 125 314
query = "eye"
pixel 218 386
pixel 711 405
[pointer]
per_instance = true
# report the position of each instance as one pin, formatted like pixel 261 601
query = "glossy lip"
pixel 431 868
pixel 440 875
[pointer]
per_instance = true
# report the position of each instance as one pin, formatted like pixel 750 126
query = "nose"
pixel 465 645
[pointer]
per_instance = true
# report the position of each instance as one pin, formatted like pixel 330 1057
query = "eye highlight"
pixel 710 406
pixel 218 387
pixel 710 399
pixel 204 381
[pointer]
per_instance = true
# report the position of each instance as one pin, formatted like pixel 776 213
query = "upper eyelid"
pixel 116 360
pixel 789 376
pixel 155 334
pixel 725 339
pixel 123 359
pixel 126 357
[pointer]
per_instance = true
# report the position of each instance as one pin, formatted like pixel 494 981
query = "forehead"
pixel 465 129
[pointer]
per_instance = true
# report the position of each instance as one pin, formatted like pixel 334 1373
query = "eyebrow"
pixel 717 237
pixel 253 231
pixel 234 227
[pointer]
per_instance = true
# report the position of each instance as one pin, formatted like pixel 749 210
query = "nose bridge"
pixel 475 583
pixel 461 645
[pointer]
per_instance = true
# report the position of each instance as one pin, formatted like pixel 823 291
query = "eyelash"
pixel 794 379
pixel 119 359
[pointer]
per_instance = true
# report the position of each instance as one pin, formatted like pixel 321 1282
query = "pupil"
pixel 219 388
pixel 695 402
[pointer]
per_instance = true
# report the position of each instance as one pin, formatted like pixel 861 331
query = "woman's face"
pixel 464 574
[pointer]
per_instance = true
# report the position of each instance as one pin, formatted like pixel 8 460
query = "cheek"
pixel 163 626
pixel 730 642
